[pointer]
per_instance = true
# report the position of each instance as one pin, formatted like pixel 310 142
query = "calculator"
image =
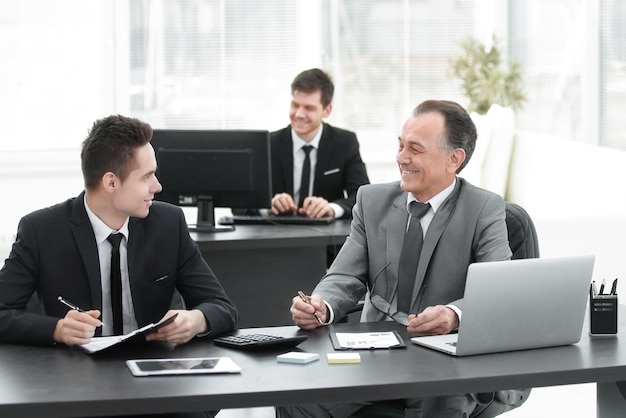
pixel 258 341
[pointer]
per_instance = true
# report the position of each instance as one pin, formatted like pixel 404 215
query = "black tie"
pixel 306 175
pixel 409 257
pixel 116 284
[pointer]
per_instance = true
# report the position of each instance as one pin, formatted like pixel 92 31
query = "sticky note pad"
pixel 297 357
pixel 343 358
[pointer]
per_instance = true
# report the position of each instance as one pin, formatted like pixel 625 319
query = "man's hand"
pixel 434 320
pixel 303 314
pixel 77 327
pixel 316 207
pixel 185 326
pixel 283 203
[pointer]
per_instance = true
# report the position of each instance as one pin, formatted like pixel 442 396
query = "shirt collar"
pixel 299 142
pixel 100 229
pixel 436 200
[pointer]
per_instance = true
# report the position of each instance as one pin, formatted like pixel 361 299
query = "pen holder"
pixel 603 315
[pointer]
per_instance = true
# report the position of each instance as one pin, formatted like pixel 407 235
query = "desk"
pixel 61 381
pixel 263 266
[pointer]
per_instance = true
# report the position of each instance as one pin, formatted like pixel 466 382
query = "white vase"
pixel 489 166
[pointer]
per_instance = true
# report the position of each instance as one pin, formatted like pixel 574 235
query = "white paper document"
pixel 101 343
pixel 367 340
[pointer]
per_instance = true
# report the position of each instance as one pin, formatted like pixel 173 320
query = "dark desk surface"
pixel 261 267
pixel 255 236
pixel 61 381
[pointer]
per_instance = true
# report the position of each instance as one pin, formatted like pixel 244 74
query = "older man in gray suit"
pixel 462 224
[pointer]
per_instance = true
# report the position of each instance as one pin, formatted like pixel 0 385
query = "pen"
pixel 70 304
pixel 306 300
pixel 602 286
pixel 593 288
pixel 614 287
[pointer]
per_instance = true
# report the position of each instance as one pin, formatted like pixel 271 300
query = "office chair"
pixel 524 244
pixel 522 233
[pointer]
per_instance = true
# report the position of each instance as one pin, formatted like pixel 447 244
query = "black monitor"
pixel 213 168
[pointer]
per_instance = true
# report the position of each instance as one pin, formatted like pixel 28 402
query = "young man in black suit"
pixel 64 250
pixel 336 169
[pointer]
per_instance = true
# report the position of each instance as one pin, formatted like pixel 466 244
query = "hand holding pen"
pixel 305 299
pixel 78 325
pixel 69 304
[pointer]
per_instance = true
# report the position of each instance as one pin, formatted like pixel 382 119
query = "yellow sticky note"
pixel 343 358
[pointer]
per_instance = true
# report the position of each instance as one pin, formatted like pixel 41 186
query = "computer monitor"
pixel 213 168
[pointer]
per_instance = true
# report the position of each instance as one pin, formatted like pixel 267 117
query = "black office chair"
pixel 524 244
pixel 522 233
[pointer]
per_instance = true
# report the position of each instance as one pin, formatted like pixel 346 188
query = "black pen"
pixel 602 286
pixel 614 287
pixel 306 300
pixel 70 304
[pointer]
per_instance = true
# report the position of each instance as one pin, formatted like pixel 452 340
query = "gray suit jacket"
pixel 468 227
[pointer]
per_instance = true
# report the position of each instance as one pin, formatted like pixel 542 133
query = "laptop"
pixel 519 304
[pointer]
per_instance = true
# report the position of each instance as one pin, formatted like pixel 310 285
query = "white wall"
pixel 33 180
pixel 576 195
pixel 555 177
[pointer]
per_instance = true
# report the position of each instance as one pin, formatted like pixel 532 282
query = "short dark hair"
pixel 309 81
pixel 460 131
pixel 110 146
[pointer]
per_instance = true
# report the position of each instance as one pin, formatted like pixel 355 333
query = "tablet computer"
pixel 178 366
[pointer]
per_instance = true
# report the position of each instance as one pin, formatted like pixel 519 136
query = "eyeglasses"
pixel 383 305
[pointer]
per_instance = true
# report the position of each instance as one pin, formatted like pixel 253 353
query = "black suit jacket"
pixel 55 253
pixel 339 171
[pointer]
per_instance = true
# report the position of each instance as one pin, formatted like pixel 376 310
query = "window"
pixel 612 73
pixel 229 63
pixel 212 64
pixel 54 77
pixel 548 38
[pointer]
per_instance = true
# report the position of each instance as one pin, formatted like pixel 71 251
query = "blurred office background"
pixel 224 64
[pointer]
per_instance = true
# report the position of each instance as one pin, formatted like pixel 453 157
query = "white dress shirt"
pixel 435 203
pixel 298 162
pixel 102 231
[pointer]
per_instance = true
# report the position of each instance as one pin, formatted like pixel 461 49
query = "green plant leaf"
pixel 485 78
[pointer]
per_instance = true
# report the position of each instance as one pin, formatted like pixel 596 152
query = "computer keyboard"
pixel 274 220
pixel 258 341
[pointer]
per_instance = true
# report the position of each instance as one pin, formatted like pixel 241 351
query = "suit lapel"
pixel 324 152
pixel 135 262
pixel 397 221
pixel 433 234
pixel 88 249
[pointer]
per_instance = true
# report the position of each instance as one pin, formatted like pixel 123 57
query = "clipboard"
pixel 366 340
pixel 98 344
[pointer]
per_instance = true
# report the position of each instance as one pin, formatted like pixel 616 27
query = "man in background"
pixel 316 168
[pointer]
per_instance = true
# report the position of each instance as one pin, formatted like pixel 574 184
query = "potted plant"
pixel 494 89
pixel 485 79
